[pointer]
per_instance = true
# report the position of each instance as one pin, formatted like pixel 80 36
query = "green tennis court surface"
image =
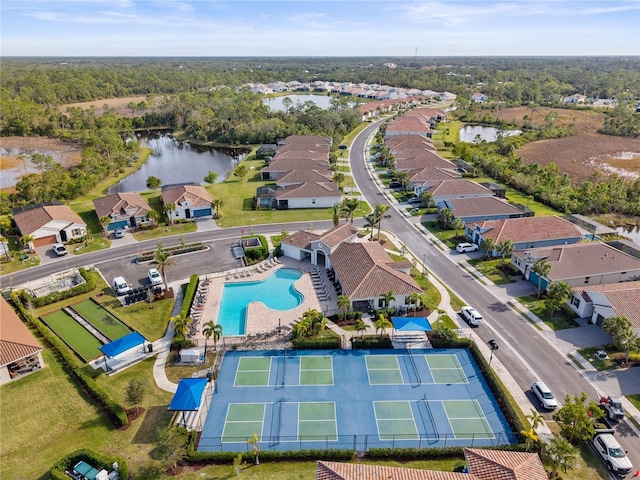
pixel 446 369
pixel 253 372
pixel 317 421
pixel 467 419
pixel 395 421
pixel 383 370
pixel 243 420
pixel 316 371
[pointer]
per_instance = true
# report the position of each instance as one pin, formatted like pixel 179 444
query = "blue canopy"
pixel 411 324
pixel 122 344
pixel 188 395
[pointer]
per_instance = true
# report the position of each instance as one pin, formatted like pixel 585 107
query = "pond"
pixel 488 134
pixel 173 161
pixel 276 103
pixel 631 233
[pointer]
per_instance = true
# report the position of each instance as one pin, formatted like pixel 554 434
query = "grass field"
pixel 100 318
pixel 74 334
pixel 489 268
pixel 559 320
pixel 150 320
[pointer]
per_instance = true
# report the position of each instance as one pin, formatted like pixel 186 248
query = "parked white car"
pixel 612 454
pixel 59 249
pixel 471 315
pixel 546 399
pixel 466 247
pixel 154 276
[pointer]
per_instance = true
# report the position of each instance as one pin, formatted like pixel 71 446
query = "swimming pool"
pixel 276 292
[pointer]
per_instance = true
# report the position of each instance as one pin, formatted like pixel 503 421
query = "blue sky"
pixel 328 28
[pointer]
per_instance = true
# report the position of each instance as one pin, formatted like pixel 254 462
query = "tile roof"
pixel 307 139
pixel 582 260
pixel 196 195
pixel 16 341
pixel 338 234
pixel 470 207
pixel 426 159
pixel 30 220
pixel 481 464
pixel 364 271
pixel 624 298
pixel 116 205
pixel 302 176
pixel 433 173
pixel 309 189
pixel 528 229
pixel 445 188
pixel 290 164
pixel 301 239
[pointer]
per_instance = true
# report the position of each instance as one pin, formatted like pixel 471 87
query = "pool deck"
pixel 261 319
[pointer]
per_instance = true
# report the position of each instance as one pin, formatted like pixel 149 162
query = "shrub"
pixel 189 294
pixel 257 253
pixel 413 453
pixel 228 457
pixel 94 459
pixel 316 343
pixel 88 286
pixel 370 342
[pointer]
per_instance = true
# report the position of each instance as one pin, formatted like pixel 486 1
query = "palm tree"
pixel 181 326
pixel 381 324
pixel 426 197
pixel 387 298
pixel 336 214
pixel 505 248
pixel 168 209
pixel 542 269
pixel 154 216
pixel 457 224
pixel 163 260
pixel 440 313
pixel 536 418
pixel 379 211
pixel 488 245
pixel 105 220
pixel 256 449
pixel 557 294
pixel 321 325
pixel 349 207
pixel 561 454
pixel 529 436
pixel 414 299
pixel 26 240
pixel 361 327
pixel 217 204
pixel 344 302
pixel 211 329
pixel 444 217
pixel 370 222
pixel 338 178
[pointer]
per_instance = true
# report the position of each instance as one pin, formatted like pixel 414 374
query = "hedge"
pixel 177 250
pixel 117 415
pixel 275 455
pixel 328 343
pixel 189 294
pixel 53 297
pixel 94 459
pixel 371 342
pixel 432 453
pixel 257 253
pixel 437 342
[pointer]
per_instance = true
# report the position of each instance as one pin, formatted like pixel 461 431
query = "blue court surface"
pixel 352 399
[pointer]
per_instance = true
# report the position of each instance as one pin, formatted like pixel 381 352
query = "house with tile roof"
pixel 191 201
pixel 20 352
pixel 599 302
pixel 49 223
pixel 482 208
pixel 524 232
pixel 443 190
pixel 365 271
pixel 126 209
pixel 579 264
pixel 481 465
pixel 317 248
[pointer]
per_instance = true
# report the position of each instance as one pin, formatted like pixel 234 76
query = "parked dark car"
pixel 395 184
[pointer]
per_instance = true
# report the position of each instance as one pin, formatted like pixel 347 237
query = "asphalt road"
pixel 527 355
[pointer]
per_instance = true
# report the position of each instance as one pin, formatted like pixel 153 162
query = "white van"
pixel 120 286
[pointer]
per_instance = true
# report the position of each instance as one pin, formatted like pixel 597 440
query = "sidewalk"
pixel 163 346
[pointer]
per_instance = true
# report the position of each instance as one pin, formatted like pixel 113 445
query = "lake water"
pixel 488 134
pixel 179 162
pixel 633 234
pixel 275 103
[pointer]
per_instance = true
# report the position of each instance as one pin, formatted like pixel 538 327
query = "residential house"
pixel 191 201
pixel 315 247
pixel 575 98
pixel 599 302
pixel 303 195
pixel 481 465
pixel 479 97
pixel 20 351
pixel 124 210
pixel 477 209
pixel 443 190
pixel 366 272
pixel 49 223
pixel 447 96
pixel 578 264
pixel 524 233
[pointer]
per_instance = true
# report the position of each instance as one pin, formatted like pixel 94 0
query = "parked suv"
pixel 472 316
pixel 544 396
pixel 612 454
pixel 466 247
pixel 120 286
pixel 154 276
pixel 59 249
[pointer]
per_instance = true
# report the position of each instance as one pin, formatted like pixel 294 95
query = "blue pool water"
pixel 276 292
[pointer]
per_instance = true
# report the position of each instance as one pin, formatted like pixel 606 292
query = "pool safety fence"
pixel 359 443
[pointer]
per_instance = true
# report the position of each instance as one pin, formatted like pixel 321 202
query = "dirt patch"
pixel 118 104
pixel 583 121
pixel 11 148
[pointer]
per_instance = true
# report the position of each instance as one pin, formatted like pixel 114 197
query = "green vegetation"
pixel 177 228
pixel 491 270
pixel 515 196
pixel 103 320
pixel 599 364
pixel 557 320
pixel 150 320
pixel 74 335
pixel 445 235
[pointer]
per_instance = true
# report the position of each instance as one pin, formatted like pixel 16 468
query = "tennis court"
pixel 352 399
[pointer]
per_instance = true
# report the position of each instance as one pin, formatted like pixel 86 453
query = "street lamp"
pixel 493 346
pixel 424 267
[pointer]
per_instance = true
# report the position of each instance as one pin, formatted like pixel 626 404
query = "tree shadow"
pixel 156 416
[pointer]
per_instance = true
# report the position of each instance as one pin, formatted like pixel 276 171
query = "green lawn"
pixel 590 355
pixel 489 268
pixel 431 293
pixel 74 334
pixel 559 320
pixel 445 235
pixel 102 319
pixel 165 231
pixel 150 320
pixel 514 196
pixel 635 399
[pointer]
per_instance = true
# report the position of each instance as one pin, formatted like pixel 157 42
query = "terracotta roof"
pixel 433 173
pixel 624 298
pixel 405 141
pixel 478 206
pixel 196 195
pixel 425 159
pixel 358 471
pixel 582 260
pixel 364 271
pixel 338 234
pixel 309 189
pixel 502 465
pixel 16 341
pixel 410 124
pixel 302 176
pixel 445 188
pixel 290 164
pixel 308 139
pixel 528 229
pixel 116 205
pixel 301 239
pixel 29 221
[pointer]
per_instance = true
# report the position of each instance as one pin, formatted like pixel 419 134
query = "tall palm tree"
pixel 361 327
pixel 336 213
pixel 181 326
pixel 529 437
pixel 387 298
pixel 379 211
pixel 163 259
pixel 505 248
pixel 169 208
pixel 426 197
pixel 338 178
pixel 344 302
pixel 349 207
pixel 457 224
pixel 414 299
pixel 536 418
pixel 488 245
pixel 26 240
pixel 321 325
pixel 557 294
pixel 105 220
pixel 542 269
pixel 216 205
pixel 561 454
pixel 381 324
pixel 444 217
pixel 370 222
pixel 211 329
pixel 154 216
